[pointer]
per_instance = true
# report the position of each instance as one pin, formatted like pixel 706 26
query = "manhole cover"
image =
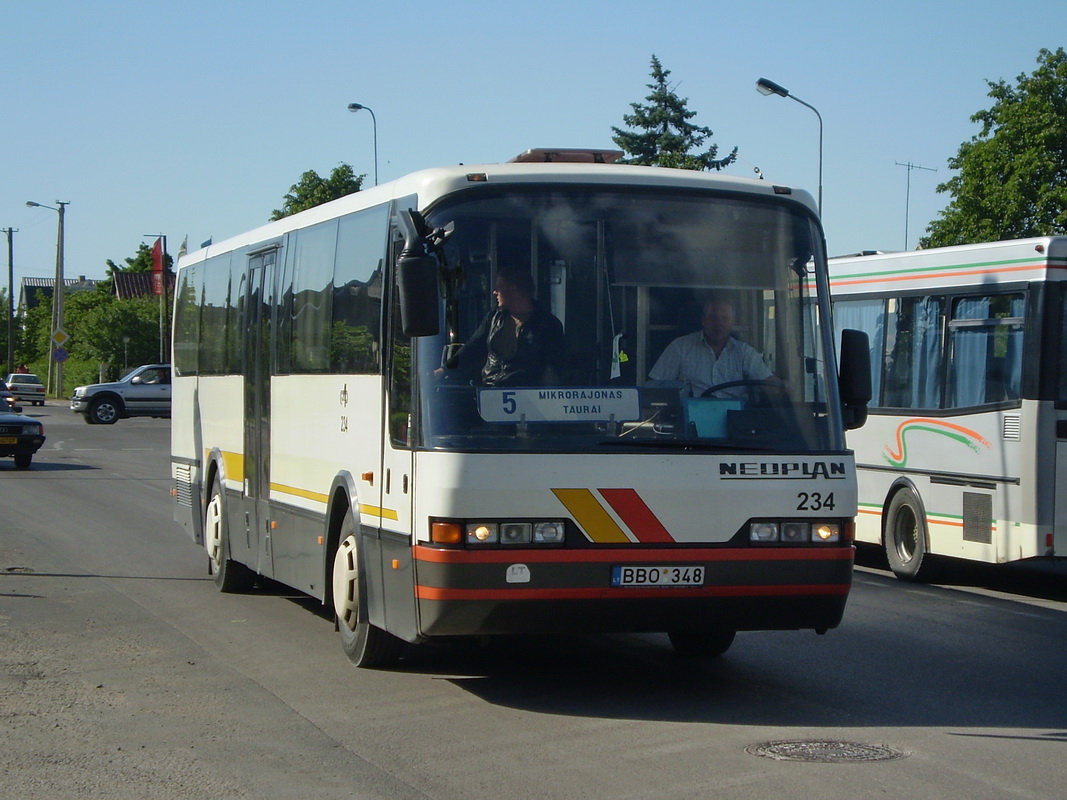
pixel 825 752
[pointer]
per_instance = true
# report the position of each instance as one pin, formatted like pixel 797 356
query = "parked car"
pixel 145 392
pixel 8 403
pixel 20 437
pixel 26 387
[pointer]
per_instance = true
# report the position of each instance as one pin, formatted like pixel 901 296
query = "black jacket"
pixel 538 357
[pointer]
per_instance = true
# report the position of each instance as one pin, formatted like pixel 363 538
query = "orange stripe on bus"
pixel 591 516
pixel 920 276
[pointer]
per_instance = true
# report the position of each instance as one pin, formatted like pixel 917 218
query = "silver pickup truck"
pixel 145 392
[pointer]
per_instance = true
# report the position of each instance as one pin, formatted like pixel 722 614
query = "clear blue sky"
pixel 194 118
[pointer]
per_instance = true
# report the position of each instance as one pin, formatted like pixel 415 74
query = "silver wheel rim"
pixel 346 584
pixel 906 534
pixel 213 531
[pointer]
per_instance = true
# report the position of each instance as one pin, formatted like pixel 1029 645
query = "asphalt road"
pixel 125 674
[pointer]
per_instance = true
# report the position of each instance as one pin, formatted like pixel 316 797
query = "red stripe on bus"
pixel 638 517
pixel 439 594
pixel 628 554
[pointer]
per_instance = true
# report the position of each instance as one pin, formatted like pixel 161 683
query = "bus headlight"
pixel 763 532
pixel 549 532
pixel 482 533
pixel 796 532
pixel 828 532
pixel 499 533
pixel 516 532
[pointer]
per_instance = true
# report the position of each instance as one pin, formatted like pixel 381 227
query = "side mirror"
pixel 416 281
pixel 854 377
pixel 136 380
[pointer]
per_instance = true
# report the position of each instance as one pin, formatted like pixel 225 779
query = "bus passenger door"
pixel 257 342
pixel 396 585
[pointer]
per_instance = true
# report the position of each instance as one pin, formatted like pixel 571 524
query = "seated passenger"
pixel 518 343
pixel 711 356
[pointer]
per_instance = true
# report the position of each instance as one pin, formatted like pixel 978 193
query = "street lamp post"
pixel 57 297
pixel 10 300
pixel 767 87
pixel 354 107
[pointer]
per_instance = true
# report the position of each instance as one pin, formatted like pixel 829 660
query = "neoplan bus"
pixel 322 437
pixel 965 450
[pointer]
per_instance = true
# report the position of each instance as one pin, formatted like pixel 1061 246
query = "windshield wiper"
pixel 685 444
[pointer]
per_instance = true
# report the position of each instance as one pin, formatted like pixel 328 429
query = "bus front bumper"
pixel 463 592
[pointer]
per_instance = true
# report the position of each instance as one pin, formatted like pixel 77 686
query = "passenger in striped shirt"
pixel 711 356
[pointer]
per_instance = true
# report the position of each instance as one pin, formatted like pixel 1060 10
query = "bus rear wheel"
pixel 701 644
pixel 905 537
pixel 365 644
pixel 230 576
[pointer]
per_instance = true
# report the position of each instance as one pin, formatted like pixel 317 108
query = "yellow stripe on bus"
pixel 233 463
pixel 375 511
pixel 591 516
pixel 295 491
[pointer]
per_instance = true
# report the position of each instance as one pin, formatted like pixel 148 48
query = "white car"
pixel 145 392
pixel 26 387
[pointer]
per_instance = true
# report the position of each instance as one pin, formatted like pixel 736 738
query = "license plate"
pixel 9 440
pixel 657 576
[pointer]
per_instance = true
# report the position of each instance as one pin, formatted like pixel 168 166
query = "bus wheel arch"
pixel 905 536
pixel 365 644
pixel 230 576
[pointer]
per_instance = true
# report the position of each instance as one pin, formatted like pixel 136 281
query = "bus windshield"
pixel 666 320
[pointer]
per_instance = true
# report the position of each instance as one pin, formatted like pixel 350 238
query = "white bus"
pixel 324 437
pixel 965 450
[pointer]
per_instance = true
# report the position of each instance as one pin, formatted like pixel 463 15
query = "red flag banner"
pixel 157 266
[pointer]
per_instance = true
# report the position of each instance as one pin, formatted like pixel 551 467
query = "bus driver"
pixel 711 356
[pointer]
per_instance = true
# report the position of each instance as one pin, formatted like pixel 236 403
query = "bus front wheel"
pixel 365 644
pixel 230 576
pixel 905 537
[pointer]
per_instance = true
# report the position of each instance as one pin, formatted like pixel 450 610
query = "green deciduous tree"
pixel 1012 175
pixel 313 190
pixel 664 135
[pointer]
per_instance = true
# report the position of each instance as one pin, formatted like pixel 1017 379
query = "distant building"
pixel 138 284
pixel 37 291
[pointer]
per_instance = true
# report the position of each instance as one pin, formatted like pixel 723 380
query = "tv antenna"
pixel 907 197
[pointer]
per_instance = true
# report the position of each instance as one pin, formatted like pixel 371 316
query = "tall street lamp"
pixel 57 300
pixel 354 107
pixel 767 87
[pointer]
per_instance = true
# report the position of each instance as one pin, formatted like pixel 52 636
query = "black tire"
pixel 22 460
pixel 365 644
pixel 230 576
pixel 701 644
pixel 905 537
pixel 104 411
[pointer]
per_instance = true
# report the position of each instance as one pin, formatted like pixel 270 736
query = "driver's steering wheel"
pixel 762 383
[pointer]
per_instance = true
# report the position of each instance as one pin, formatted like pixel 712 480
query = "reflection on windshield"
pixel 611 318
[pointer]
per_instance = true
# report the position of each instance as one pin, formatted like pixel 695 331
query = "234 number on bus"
pixel 815 501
